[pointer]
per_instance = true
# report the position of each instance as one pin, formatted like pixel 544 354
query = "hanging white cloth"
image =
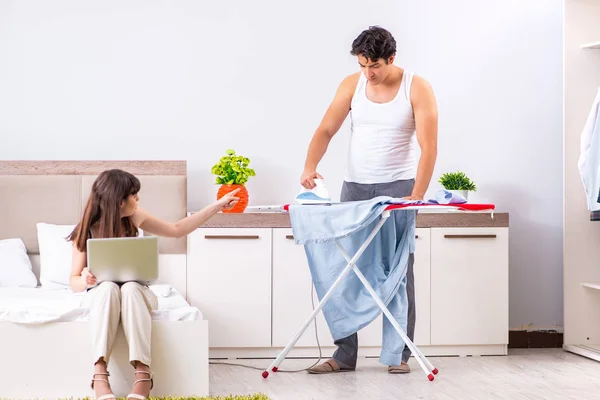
pixel 589 158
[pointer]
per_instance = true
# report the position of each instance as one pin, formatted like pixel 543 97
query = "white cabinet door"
pixel 469 286
pixel 371 334
pixel 422 271
pixel 292 286
pixel 229 280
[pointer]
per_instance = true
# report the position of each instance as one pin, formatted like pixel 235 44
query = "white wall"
pixel 188 79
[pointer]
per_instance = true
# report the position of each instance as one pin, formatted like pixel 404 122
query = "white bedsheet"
pixel 39 306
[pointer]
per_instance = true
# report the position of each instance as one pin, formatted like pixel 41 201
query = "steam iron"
pixel 317 195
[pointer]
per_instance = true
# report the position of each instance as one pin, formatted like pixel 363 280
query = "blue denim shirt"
pixel 384 263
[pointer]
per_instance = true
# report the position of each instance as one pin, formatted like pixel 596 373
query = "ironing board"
pixel 424 363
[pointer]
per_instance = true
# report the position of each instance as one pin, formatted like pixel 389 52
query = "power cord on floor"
pixel 312 299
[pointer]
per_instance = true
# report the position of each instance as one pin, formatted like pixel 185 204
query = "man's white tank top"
pixel 383 141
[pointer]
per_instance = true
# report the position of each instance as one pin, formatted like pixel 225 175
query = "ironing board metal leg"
pixel 394 323
pixel 417 352
pixel 275 364
pixel 418 355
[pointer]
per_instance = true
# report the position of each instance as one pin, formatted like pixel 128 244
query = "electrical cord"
pixel 312 299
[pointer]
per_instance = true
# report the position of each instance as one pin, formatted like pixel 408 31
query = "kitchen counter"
pixel 424 220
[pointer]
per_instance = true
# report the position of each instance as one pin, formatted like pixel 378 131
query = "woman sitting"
pixel 112 211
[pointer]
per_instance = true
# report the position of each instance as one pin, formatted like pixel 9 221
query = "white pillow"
pixel 55 255
pixel 15 266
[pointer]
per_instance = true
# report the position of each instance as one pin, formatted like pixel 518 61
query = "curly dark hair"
pixel 374 43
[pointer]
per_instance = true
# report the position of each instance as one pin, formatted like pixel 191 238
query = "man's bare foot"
pixel 143 378
pixel 100 382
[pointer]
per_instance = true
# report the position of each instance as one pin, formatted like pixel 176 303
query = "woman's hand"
pixel 88 278
pixel 228 201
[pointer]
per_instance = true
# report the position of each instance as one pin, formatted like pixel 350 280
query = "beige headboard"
pixel 55 192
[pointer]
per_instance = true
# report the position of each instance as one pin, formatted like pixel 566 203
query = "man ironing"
pixel 392 110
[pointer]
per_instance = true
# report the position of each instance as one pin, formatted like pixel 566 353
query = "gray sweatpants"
pixel 347 350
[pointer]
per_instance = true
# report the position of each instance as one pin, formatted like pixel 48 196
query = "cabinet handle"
pixel 289 236
pixel 492 236
pixel 231 237
pixel 416 236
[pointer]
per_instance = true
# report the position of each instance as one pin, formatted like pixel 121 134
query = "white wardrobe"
pixel 581 291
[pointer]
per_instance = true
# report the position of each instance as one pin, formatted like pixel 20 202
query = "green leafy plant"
pixel 457 181
pixel 232 169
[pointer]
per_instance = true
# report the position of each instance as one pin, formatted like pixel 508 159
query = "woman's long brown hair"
pixel 103 208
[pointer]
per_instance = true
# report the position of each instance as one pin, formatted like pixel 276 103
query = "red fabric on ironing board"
pixel 464 206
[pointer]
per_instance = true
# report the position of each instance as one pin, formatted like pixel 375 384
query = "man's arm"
pixel 330 124
pixel 426 121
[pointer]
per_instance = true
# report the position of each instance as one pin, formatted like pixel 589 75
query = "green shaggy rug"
pixel 258 396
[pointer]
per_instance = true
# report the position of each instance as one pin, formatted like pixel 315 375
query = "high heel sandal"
pixel 105 396
pixel 151 379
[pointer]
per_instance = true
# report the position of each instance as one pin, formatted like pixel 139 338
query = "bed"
pixel 44 329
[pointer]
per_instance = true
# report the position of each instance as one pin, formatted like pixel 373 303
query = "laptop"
pixel 124 259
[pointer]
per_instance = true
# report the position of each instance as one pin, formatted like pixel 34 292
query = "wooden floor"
pixel 523 374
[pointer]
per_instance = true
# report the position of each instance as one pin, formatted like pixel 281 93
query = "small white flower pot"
pixel 463 193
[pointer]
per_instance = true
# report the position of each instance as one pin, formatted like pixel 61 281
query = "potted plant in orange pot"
pixel 232 173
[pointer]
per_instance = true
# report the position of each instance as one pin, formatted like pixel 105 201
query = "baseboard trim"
pixel 583 350
pixel 363 351
pixel 523 339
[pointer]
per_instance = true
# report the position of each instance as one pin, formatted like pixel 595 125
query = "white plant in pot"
pixel 458 182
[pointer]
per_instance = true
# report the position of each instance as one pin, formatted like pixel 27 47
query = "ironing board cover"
pixel 462 207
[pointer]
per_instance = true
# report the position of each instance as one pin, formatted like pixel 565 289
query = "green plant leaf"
pixel 457 181
pixel 232 168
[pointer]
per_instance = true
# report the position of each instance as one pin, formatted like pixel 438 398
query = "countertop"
pixel 424 220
